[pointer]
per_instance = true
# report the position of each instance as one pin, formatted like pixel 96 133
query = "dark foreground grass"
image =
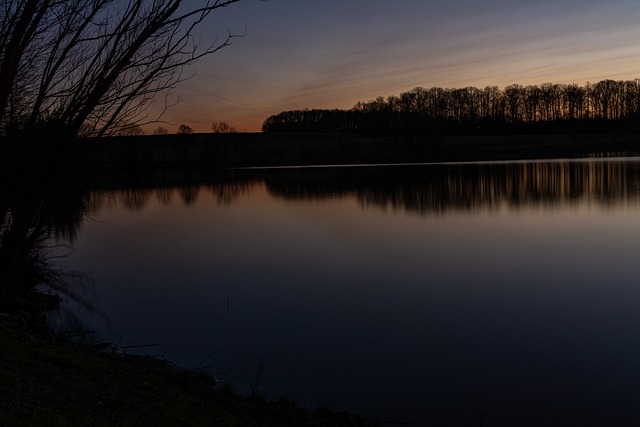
pixel 43 382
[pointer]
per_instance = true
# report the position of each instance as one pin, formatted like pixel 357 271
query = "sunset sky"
pixel 333 53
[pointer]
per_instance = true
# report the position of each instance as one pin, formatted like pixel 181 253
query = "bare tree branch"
pixel 94 64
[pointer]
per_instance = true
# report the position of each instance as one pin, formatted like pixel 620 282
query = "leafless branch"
pixel 94 64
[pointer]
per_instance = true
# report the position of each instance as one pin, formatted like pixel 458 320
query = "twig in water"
pixel 206 359
pixel 139 346
pixel 256 382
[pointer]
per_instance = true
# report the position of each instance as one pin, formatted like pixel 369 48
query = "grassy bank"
pixel 43 382
pixel 274 149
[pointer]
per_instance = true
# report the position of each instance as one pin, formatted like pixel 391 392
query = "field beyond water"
pixel 288 149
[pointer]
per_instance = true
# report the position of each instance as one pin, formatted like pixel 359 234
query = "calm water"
pixel 481 294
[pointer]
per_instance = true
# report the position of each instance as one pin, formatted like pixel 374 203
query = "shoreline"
pixel 244 150
pixel 46 381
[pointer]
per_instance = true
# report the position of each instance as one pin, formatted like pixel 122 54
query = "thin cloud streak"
pixel 332 54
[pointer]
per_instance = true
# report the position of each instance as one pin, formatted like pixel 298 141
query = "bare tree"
pixel 513 96
pixel 184 129
pixel 222 127
pixel 531 103
pixel 575 98
pixel 160 131
pixel 131 130
pixel 93 64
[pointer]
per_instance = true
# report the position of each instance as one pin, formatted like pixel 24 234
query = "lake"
pixel 499 293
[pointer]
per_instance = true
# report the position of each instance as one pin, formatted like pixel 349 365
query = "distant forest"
pixel 605 106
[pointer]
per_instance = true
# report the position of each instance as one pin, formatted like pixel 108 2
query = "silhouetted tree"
pixel 184 129
pixel 531 103
pixel 131 130
pixel 93 64
pixel 549 95
pixel 160 131
pixel 513 95
pixel 575 98
pixel 631 98
pixel 222 127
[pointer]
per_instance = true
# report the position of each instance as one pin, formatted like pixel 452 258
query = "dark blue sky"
pixel 334 53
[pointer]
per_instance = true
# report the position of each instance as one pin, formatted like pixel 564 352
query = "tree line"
pixel 604 106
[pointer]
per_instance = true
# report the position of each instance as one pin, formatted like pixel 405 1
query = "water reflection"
pixel 36 206
pixel 439 188
pixel 370 310
pixel 41 214
pixel 424 189
pixel 135 199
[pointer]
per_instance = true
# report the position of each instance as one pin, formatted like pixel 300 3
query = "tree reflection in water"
pixel 41 209
pixel 485 284
pixel 474 186
pixel 37 206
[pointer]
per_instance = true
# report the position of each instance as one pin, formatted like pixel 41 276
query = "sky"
pixel 299 54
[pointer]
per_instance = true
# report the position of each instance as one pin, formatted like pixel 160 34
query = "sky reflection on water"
pixel 429 294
